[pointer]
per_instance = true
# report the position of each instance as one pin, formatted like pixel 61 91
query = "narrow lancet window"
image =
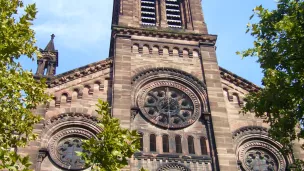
pixel 165 143
pixel 178 144
pixel 191 145
pixel 173 11
pixel 141 136
pixel 148 12
pixel 203 146
pixel 152 143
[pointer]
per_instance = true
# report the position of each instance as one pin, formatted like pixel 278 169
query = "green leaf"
pixel 279 48
pixel 114 143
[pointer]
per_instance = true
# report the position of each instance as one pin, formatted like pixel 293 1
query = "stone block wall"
pixel 78 96
pixel 128 13
pixel 135 54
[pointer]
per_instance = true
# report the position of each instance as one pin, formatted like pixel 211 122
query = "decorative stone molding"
pixel 172 158
pixel 40 157
pixel 162 73
pixel 174 73
pixel 70 116
pixel 79 72
pixel 170 48
pixel 165 33
pixel 42 154
pixel 67 120
pixel 134 112
pixel 238 81
pixel 173 166
pixel 250 130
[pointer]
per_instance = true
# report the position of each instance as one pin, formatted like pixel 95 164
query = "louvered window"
pixel 148 12
pixel 173 13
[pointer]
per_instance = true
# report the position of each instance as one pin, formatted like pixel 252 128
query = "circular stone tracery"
pixel 64 145
pixel 66 152
pixel 169 104
pixel 259 160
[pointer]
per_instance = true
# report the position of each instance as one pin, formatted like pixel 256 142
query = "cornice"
pixel 238 81
pixel 172 158
pixel 79 72
pixel 107 63
pixel 208 39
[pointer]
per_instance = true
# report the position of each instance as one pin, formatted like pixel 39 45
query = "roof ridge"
pixel 79 72
pixel 238 81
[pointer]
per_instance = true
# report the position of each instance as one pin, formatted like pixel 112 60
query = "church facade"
pixel 163 80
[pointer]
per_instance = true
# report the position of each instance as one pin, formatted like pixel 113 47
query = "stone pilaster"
pixel 219 115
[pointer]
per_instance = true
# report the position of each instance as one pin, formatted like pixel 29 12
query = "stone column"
pixel 212 148
pixel 41 155
pixel 40 68
pixel 163 14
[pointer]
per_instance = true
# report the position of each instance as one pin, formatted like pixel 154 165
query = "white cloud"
pixel 76 23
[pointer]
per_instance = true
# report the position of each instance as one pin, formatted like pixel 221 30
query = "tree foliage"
pixel 20 93
pixel 279 47
pixel 113 146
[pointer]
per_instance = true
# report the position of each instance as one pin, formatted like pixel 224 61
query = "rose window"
pixel 66 151
pixel 257 160
pixel 170 106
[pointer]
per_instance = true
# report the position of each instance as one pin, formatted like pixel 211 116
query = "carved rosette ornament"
pixel 169 104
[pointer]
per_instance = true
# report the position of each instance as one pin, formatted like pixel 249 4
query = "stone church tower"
pixel 162 79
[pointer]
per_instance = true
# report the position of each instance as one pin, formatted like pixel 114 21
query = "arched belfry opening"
pixel 48 61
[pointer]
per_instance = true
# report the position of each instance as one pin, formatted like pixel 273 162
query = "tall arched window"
pixel 191 145
pixel 148 12
pixel 203 146
pixel 141 136
pixel 178 144
pixel 165 143
pixel 152 142
pixel 173 11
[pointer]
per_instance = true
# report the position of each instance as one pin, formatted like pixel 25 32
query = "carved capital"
pixel 41 155
pixel 207 118
pixel 134 112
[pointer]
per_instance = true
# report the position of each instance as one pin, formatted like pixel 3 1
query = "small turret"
pixel 48 63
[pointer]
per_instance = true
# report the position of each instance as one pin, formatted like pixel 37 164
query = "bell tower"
pixel 167 86
pixel 182 15
pixel 48 62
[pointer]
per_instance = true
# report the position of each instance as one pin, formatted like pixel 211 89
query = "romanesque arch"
pixel 62 136
pixel 255 150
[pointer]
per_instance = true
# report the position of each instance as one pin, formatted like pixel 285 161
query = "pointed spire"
pixel 50 46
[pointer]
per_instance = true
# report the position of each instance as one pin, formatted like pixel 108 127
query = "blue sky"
pixel 82 30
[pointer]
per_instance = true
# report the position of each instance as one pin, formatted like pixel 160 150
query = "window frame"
pixel 152 144
pixel 203 145
pixel 191 148
pixel 178 146
pixel 165 143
